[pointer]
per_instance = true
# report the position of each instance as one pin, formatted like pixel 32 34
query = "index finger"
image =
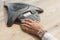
pixel 29 20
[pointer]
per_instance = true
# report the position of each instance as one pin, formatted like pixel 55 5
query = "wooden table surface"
pixel 50 19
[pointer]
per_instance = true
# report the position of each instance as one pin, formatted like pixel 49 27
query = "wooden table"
pixel 50 19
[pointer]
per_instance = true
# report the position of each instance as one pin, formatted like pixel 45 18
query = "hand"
pixel 32 27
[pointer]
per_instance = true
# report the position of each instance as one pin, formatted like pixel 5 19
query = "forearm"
pixel 48 36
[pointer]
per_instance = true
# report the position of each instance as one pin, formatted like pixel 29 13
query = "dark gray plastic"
pixel 15 10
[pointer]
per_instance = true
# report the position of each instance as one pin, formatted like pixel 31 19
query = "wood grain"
pixel 50 19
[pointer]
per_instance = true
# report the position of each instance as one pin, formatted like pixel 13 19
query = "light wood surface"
pixel 50 19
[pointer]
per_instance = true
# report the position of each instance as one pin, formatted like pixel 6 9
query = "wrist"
pixel 41 33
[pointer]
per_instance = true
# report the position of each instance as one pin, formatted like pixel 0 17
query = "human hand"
pixel 32 27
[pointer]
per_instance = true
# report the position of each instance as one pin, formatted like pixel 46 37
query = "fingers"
pixel 27 28
pixel 25 25
pixel 29 20
pixel 28 23
pixel 24 28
